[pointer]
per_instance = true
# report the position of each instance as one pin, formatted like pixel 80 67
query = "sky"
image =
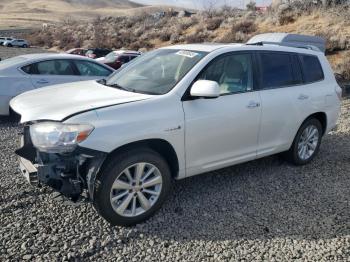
pixel 202 4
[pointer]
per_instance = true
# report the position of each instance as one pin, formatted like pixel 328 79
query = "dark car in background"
pixel 97 52
pixel 116 59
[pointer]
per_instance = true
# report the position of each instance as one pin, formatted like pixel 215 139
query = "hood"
pixel 61 101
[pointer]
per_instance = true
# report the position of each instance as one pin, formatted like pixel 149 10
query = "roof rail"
pixel 315 43
pixel 309 47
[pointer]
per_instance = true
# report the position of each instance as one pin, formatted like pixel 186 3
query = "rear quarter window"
pixel 312 69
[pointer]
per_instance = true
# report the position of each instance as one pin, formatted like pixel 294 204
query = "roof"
pixel 210 47
pixel 206 47
pixel 51 55
pixel 291 40
pixel 126 52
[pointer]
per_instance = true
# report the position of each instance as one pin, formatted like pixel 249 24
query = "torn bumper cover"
pixel 70 174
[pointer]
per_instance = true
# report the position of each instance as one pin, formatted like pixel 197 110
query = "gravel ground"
pixel 7 52
pixel 265 210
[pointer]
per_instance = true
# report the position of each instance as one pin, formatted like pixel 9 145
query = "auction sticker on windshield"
pixel 187 53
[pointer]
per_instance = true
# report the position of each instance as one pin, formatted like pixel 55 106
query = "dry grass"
pixel 143 31
pixel 33 13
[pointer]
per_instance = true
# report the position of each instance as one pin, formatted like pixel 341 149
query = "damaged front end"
pixel 70 173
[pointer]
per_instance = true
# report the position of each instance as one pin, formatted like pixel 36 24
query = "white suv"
pixel 173 113
pixel 16 43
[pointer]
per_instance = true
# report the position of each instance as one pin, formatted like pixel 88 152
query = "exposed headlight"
pixel 55 137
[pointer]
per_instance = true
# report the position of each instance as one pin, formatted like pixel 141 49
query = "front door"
pixel 223 131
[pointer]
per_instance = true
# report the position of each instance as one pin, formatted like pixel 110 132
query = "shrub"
pixel 251 6
pixel 214 23
pixel 245 27
pixel 165 36
pixel 343 69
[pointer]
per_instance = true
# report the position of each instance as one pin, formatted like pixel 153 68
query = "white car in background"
pixel 16 43
pixel 4 39
pixel 23 73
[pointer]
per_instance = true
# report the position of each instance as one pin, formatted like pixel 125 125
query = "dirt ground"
pixel 7 52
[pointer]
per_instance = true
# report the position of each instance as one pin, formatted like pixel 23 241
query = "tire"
pixel 24 46
pixel 13 116
pixel 293 155
pixel 9 45
pixel 114 169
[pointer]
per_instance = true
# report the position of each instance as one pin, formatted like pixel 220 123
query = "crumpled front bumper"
pixel 70 174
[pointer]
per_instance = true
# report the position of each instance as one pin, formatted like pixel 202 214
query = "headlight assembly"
pixel 55 137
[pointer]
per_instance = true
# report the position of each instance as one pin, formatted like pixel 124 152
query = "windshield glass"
pixel 156 72
pixel 111 57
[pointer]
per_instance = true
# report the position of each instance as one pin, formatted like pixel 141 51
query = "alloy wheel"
pixel 136 189
pixel 308 142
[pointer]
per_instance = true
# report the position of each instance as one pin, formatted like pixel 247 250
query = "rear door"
pixel 53 72
pixel 280 79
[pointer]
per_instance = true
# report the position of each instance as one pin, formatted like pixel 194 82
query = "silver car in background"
pixel 16 43
pixel 23 73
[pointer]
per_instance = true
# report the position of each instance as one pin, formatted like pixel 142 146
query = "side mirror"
pixel 206 89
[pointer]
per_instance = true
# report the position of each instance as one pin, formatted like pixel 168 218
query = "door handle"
pixel 303 97
pixel 253 104
pixel 42 81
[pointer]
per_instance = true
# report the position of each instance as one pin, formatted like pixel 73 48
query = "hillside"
pixel 33 13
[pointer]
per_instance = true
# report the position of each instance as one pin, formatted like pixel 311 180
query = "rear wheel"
pixel 306 143
pixel 132 187
pixel 25 46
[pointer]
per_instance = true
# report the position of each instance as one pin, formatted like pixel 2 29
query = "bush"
pixel 198 38
pixel 343 69
pixel 245 27
pixel 214 23
pixel 251 6
pixel 165 36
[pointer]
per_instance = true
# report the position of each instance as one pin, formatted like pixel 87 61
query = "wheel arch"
pixel 320 116
pixel 161 146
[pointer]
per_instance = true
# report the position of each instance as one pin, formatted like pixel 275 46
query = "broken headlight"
pixel 55 137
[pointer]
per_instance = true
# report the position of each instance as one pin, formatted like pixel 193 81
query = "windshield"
pixel 111 57
pixel 156 72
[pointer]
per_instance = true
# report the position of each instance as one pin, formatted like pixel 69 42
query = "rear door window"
pixel 297 70
pixel 53 67
pixel 312 69
pixel 276 70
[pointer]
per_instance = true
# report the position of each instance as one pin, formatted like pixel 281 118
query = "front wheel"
pixel 306 143
pixel 132 187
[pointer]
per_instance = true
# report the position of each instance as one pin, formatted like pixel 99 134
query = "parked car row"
pixel 114 59
pixel 28 72
pixel 12 42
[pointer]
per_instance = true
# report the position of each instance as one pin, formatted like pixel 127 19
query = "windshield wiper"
pixel 128 89
pixel 119 87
